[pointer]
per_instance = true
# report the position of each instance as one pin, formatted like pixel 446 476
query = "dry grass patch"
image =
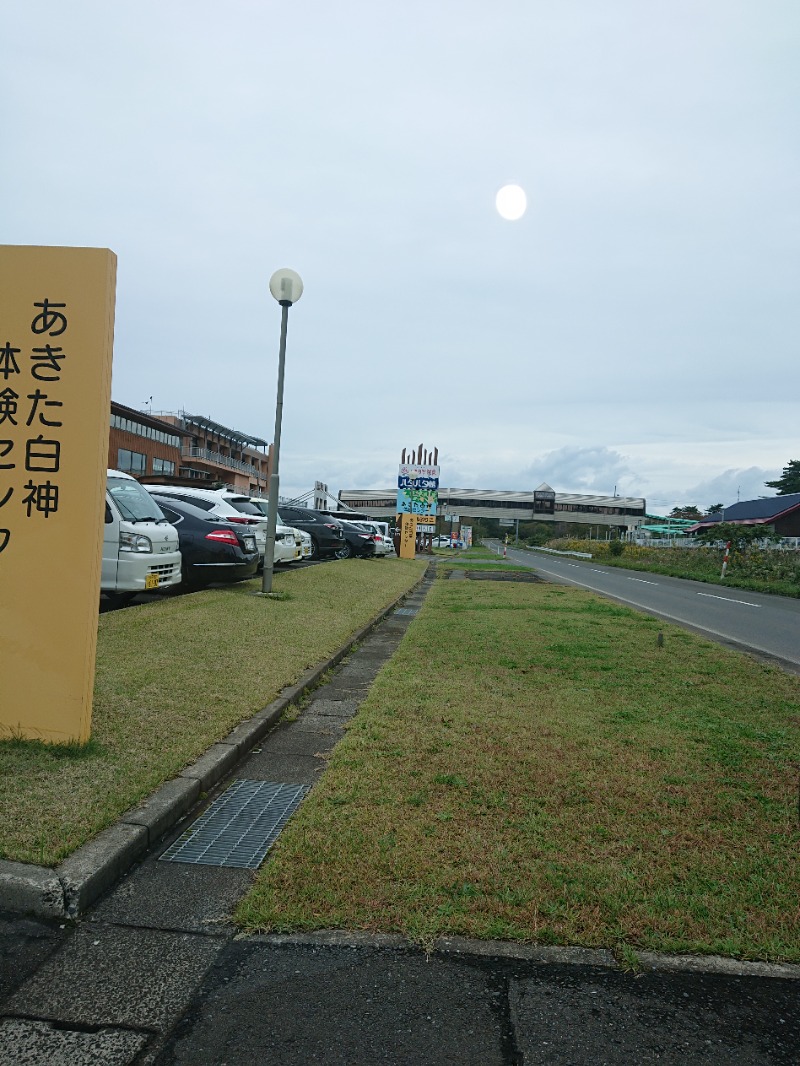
pixel 174 677
pixel 531 765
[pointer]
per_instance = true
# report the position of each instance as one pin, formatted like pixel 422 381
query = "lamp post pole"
pixel 287 288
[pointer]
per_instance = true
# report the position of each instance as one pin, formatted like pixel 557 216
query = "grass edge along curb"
pixel 84 875
pixel 455 947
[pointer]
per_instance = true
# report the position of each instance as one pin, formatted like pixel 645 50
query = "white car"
pixel 446 542
pixel 234 507
pixel 384 545
pixel 305 541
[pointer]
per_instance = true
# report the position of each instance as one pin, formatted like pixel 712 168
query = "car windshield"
pixel 134 503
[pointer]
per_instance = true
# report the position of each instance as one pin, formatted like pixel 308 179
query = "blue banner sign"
pixel 417 483
pixel 417 489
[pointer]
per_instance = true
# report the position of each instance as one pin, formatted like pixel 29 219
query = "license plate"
pixel 249 543
pixel 151 581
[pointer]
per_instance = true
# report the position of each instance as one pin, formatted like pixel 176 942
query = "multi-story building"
pixel 142 445
pixel 542 505
pixel 179 448
pixel 215 453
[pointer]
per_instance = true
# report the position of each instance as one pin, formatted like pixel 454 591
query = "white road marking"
pixel 642 581
pixel 729 599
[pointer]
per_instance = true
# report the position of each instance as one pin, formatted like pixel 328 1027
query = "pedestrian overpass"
pixel 540 505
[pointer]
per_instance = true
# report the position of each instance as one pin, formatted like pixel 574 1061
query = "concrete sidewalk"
pixel 154 973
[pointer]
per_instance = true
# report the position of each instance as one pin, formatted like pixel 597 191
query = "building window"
pixel 128 426
pixel 131 462
pixel 163 466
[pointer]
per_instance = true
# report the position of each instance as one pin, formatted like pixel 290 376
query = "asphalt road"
pixel 768 625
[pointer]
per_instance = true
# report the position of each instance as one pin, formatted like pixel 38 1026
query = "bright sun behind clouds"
pixel 511 202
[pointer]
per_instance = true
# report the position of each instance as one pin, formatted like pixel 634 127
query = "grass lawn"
pixel 533 765
pixel 172 678
pixel 476 558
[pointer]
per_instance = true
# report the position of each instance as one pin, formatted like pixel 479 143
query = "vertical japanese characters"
pixel 30 419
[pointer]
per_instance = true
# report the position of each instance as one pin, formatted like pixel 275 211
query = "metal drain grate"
pixel 239 827
pixel 404 610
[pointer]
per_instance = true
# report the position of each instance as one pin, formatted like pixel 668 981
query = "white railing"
pixel 557 551
pixel 222 460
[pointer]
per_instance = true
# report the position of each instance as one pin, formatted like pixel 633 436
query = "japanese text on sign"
pixel 417 489
pixel 31 416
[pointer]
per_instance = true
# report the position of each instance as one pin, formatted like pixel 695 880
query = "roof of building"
pixel 755 512
pixel 764 509
pixel 233 435
pixel 147 419
pixel 224 431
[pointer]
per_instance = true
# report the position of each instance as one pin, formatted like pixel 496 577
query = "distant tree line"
pixel 789 481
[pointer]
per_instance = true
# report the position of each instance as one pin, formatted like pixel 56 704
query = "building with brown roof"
pixel 179 448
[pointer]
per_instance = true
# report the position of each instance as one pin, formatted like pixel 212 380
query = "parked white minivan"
pixel 140 547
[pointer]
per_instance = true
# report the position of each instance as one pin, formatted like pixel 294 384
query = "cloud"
pixel 732 485
pixel 595 469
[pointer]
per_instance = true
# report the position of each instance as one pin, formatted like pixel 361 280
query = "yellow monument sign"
pixel 408 536
pixel 56 339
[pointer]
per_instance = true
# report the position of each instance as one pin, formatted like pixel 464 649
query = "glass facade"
pixel 129 426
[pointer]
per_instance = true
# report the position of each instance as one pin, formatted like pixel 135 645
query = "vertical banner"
pixel 417 489
pixel 56 340
pixel 408 536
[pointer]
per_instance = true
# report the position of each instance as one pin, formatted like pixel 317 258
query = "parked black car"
pixel 359 542
pixel 211 549
pixel 327 536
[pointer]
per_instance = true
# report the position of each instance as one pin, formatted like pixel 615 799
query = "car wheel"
pixel 314 549
pixel 344 552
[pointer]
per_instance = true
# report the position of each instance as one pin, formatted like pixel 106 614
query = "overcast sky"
pixel 637 328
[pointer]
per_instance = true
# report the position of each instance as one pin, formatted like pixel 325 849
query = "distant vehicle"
pixel 212 550
pixel 140 547
pixel 360 519
pixel 327 536
pixel 447 542
pixel 384 545
pixel 306 544
pixel 359 542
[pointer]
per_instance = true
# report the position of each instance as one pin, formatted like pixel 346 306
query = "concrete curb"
pixel 31 890
pixel 454 947
pixel 67 890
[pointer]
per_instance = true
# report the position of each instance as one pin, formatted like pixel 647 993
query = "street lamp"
pixel 287 288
